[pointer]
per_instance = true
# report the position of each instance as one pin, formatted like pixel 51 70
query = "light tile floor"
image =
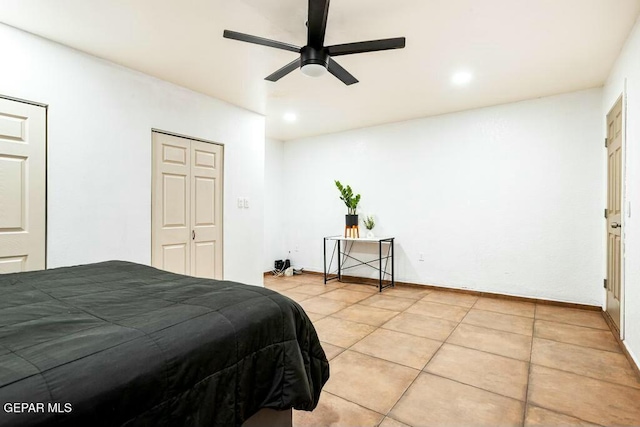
pixel 421 357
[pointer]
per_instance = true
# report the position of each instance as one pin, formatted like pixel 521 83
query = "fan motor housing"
pixel 310 55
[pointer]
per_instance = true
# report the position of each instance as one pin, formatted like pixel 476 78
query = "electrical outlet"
pixel 246 203
pixel 297 248
pixel 240 203
pixel 421 256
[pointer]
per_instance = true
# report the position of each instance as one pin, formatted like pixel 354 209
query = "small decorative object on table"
pixel 369 223
pixel 351 219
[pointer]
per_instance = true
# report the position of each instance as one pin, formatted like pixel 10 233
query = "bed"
pixel 122 344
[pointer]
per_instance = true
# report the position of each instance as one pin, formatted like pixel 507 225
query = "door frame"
pixel 46 169
pixel 179 135
pixel 623 209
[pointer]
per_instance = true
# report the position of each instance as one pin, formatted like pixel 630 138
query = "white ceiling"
pixel 516 49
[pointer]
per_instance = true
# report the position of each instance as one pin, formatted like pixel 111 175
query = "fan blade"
pixel 317 22
pixel 368 46
pixel 341 73
pixel 284 70
pixel 228 34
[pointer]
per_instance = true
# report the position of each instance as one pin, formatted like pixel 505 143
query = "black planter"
pixel 351 220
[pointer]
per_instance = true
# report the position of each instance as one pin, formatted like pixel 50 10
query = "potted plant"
pixel 351 201
pixel 369 223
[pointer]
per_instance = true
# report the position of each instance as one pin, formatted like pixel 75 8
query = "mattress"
pixel 122 344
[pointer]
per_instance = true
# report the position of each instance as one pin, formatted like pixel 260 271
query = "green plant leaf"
pixel 346 195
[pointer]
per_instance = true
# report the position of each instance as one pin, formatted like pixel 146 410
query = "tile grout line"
pixel 503 313
pixel 555 411
pixel 439 347
pixel 473 307
pixel 353 321
pixel 577 345
pixel 467 324
pixel 429 338
pixel 355 403
pixel 385 360
pixel 461 306
pixel 453 291
pixel 488 352
pixel 419 370
pixel 473 386
pixel 529 362
pixel 434 317
pixel 587 377
pixel 360 323
pixel 428 361
pixel 376 328
pixel 573 324
pixel 478 294
pixel 349 348
pixel 381 308
pixel 493 311
pixel 527 402
pixel 500 330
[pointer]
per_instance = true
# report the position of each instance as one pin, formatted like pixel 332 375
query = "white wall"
pixel 504 199
pixel 99 140
pixel 627 69
pixel 274 195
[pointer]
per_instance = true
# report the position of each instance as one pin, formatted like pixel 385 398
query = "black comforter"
pixel 121 344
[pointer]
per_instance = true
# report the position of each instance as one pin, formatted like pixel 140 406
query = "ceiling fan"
pixel 316 58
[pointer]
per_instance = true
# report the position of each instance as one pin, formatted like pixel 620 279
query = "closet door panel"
pixel 187 206
pixel 171 204
pixel 22 186
pixel 206 213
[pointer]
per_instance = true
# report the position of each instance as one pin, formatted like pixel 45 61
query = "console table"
pixel 343 246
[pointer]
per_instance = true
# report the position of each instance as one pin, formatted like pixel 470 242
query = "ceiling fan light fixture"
pixel 314 62
pixel 313 70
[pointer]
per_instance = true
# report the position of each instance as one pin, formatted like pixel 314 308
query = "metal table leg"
pixel 393 260
pixel 339 262
pixel 380 265
pixel 324 251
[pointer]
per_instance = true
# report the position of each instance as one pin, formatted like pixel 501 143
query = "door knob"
pixel 615 225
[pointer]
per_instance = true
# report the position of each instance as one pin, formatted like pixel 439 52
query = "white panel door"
pixel 206 210
pixel 171 234
pixel 187 206
pixel 22 186
pixel 614 212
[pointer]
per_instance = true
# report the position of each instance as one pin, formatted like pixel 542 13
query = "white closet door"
pixel 22 186
pixel 206 210
pixel 187 206
pixel 171 235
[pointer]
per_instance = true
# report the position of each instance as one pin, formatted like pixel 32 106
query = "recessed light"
pixel 290 117
pixel 461 78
